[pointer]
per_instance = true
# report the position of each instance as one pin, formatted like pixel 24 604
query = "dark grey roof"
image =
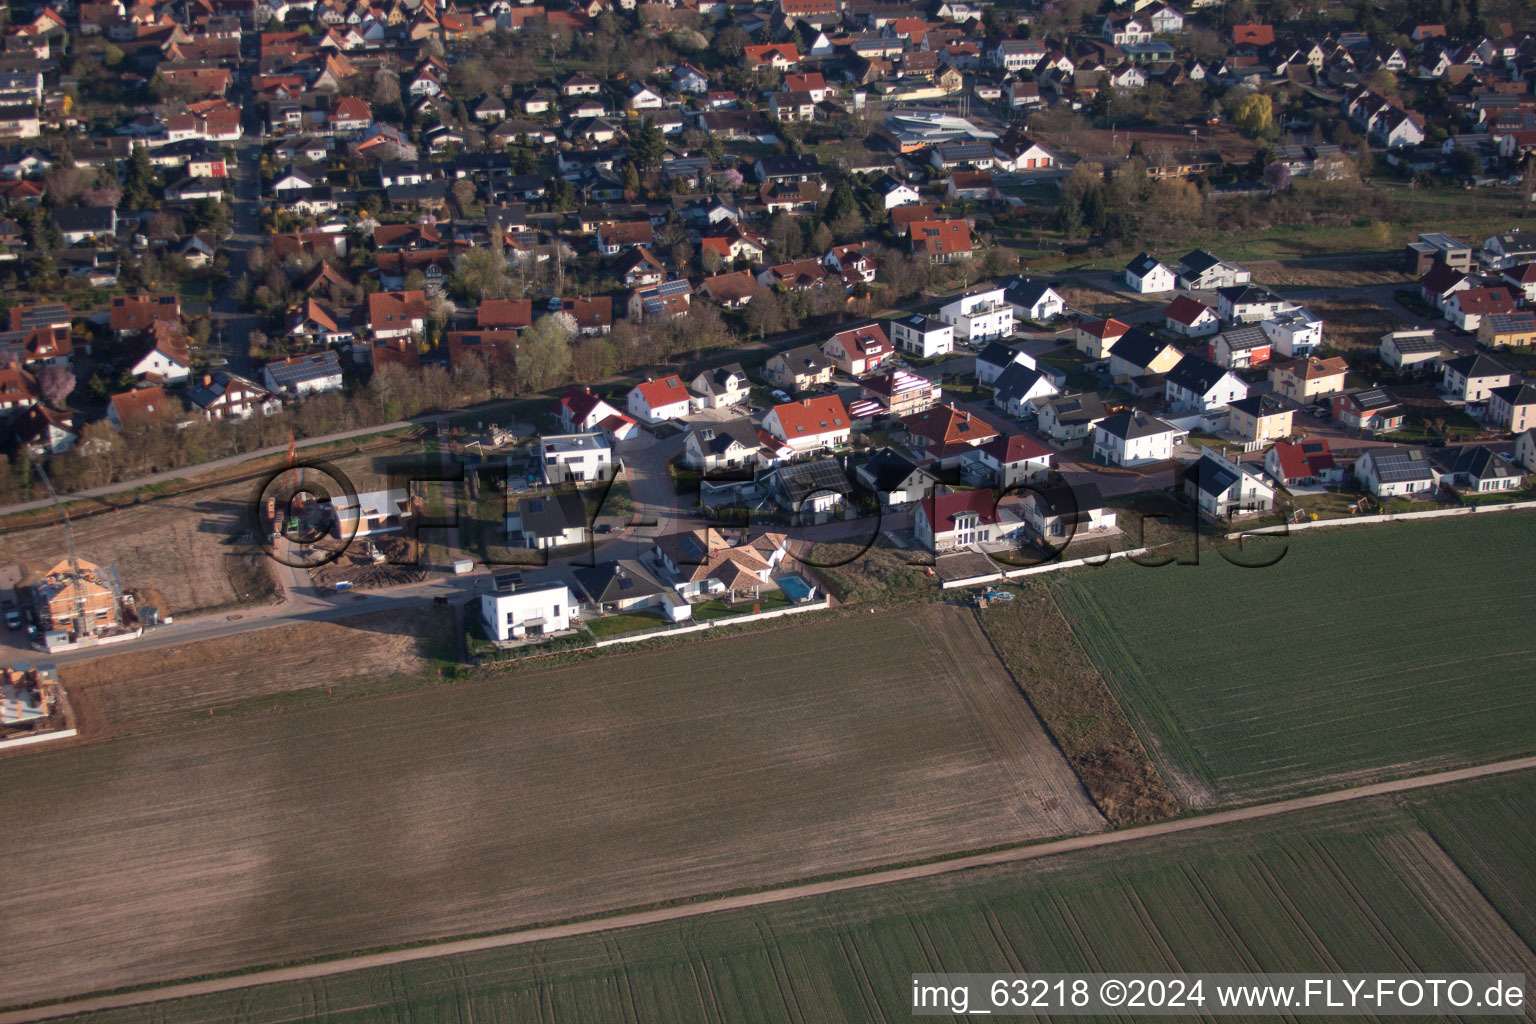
pixel 1016 381
pixel 1071 501
pixel 1198 262
pixel 1195 374
pixel 1081 408
pixel 1239 293
pixel 313 367
pixel 1240 339
pixel 1023 292
pixel 1142 265
pixel 1260 405
pixel 786 166
pixel 997 354
pixel 1477 365
pixel 1399 465
pixel 1418 344
pixel 806 359
pixel 1518 393
pixel 1131 425
pixel 716 438
pixel 95 219
pixel 1137 347
pixel 889 470
pixel 1371 399
pixel 801 480
pixel 1210 476
pixel 612 581
pixel 918 322
pixel 1475 461
pixel 551 515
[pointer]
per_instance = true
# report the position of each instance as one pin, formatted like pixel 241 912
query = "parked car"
pixel 12 616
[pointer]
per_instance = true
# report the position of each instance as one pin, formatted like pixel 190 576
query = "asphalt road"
pixel 784 894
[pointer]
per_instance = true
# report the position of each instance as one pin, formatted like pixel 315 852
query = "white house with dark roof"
pixel 1198 384
pixel 922 336
pixel 1397 472
pixel 1135 439
pixel 1148 276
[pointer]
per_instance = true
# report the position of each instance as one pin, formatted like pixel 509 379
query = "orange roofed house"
pixel 83 599
pixel 941 241
pixel 947 435
pixel 702 562
pixel 858 350
pixel 810 424
pixel 655 401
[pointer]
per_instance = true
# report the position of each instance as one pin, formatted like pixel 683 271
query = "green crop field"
pixel 1490 830
pixel 1354 887
pixel 1365 652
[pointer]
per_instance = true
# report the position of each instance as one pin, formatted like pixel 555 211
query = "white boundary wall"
pixel 1433 513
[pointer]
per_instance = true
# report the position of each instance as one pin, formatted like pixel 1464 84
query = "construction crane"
pixel 74 560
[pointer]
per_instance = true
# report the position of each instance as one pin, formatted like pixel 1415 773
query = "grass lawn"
pixel 718 609
pixel 1362 653
pixel 622 625
pixel 1362 887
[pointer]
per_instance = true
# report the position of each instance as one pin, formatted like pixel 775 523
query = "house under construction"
pixel 84 599
pixel 28 695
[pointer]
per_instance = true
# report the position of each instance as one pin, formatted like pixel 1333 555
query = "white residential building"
pixel 1134 439
pixel 564 458
pixel 922 336
pixel 1294 333
pixel 979 316
pixel 511 614
pixel 658 400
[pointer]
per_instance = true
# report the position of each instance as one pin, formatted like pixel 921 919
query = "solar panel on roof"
pixel 668 289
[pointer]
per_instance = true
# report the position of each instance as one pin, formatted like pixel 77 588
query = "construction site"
pixel 33 705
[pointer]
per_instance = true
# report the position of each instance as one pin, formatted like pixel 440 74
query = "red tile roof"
pixel 941 509
pixel 812 416
pixel 1185 310
pixel 663 391
pixel 512 314
pixel 940 237
pixel 945 425
pixel 1015 448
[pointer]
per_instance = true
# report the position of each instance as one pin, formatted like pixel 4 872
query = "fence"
pixel 564 644
pixel 40 737
pixel 1433 513
pixel 1032 570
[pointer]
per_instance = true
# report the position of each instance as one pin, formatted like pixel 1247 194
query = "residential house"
pixel 1247 303
pixel 979 316
pixel 858 350
pixel 702 562
pixel 921 336
pixel 579 458
pixel 1201 385
pixel 1369 410
pixel 579 411
pixel 1513 406
pixel 716 448
pixel 303 375
pixel 1397 472
pixel 811 424
pixel 1240 348
pixel 1036 301
pixel 549 521
pixel 1411 351
pixel 1522 278
pixel 1306 380
pixel 1065 511
pixel 722 387
pixel 1095 338
pixel 399 314
pixel 1478 469
pixel 1221 488
pixel 1148 276
pixel 1440 283
pixel 947 435
pixel 799 369
pixel 1013 460
pixel 1020 389
pixel 1467 307
pixel 130 314
pixel 947 522
pixel 511 612
pixel 1068 419
pixel 997 357
pixel 897 393
pixel 142 407
pixel 941 241
pixel 895 193
pixel 1135 439
pixel 809 492
pixel 664 301
pixel 1525 450
pixel 1306 463
pixel 163 354
pixel 1190 317
pixel 895 480
pixel 1139 354
pixel 224 396
pixel 1471 378
pixel 42 431
pixel 1200 271
pixel 616 587
pixel 1294 333
pixel 1509 330
pixel 1260 418
pixel 655 401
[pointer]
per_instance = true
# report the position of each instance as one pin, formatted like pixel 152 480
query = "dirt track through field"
pixel 309 972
